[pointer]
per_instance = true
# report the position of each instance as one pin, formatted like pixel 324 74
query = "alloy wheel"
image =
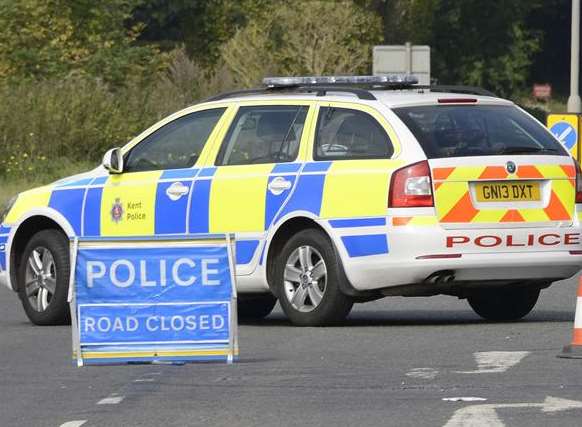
pixel 305 279
pixel 40 278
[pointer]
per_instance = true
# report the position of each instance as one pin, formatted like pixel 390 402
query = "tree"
pixel 483 43
pixel 295 39
pixel 51 38
pixel 201 26
pixel 474 42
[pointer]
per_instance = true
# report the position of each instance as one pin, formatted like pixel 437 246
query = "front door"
pixel 153 195
pixel 256 170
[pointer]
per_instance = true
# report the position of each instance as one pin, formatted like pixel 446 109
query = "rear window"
pixel 477 130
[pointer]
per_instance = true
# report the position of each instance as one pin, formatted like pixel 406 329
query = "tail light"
pixel 578 182
pixel 411 187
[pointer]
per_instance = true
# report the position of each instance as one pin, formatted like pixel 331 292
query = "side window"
pixel 265 134
pixel 344 134
pixel 176 145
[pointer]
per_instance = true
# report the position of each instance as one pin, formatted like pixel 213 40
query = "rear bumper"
pixel 415 253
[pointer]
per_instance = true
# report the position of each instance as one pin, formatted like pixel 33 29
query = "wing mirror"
pixel 113 161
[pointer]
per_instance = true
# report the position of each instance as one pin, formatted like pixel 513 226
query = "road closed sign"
pixel 565 127
pixel 153 301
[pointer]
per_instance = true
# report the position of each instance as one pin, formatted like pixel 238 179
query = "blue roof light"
pixel 403 79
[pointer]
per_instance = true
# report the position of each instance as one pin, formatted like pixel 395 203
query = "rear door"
pixel 359 147
pixel 493 165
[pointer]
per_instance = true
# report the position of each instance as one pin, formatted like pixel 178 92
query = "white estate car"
pixel 339 190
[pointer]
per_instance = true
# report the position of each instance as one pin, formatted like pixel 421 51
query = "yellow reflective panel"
pixel 355 188
pixel 27 201
pixel 566 192
pixel 128 204
pixel 238 198
pixel 448 195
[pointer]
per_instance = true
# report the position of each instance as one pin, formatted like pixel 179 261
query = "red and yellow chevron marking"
pixel 454 204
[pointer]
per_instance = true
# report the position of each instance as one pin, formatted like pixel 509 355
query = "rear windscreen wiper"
pixel 527 150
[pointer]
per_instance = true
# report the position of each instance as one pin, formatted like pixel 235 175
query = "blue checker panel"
pixel 92 218
pixel 365 245
pixel 3 240
pixel 179 174
pixel 245 250
pixel 286 168
pixel 76 183
pixel 275 202
pixel 100 180
pixel 317 167
pixel 171 214
pixel 307 195
pixel 199 208
pixel 70 204
pixel 357 222
pixel 207 172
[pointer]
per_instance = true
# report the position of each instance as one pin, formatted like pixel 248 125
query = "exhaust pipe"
pixel 440 277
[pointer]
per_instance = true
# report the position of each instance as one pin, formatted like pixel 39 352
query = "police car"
pixel 339 190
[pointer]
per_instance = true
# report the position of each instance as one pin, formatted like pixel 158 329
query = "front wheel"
pixel 504 304
pixel 307 278
pixel 43 278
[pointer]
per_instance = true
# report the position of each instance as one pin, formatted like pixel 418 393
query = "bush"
pixel 79 118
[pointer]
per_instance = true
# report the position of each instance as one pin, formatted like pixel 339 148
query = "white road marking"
pixel 564 134
pixel 75 423
pixel 486 415
pixel 144 380
pixel 464 399
pixel 423 373
pixel 113 399
pixel 495 361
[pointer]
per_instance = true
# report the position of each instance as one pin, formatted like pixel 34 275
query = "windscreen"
pixel 477 130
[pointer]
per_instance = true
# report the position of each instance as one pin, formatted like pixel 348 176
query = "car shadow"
pixel 420 318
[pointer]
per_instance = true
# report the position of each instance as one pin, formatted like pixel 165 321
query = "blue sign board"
pixel 565 133
pixel 137 301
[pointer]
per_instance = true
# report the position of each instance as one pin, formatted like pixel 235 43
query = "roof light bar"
pixel 394 79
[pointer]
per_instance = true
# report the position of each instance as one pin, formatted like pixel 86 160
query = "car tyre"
pixel 504 304
pixel 308 273
pixel 255 307
pixel 43 278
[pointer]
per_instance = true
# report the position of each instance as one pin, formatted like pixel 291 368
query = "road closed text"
pixel 154 322
pixel 512 241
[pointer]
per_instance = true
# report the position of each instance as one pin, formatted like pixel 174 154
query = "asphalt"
pixel 391 364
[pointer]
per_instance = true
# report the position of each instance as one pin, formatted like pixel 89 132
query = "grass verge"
pixel 9 187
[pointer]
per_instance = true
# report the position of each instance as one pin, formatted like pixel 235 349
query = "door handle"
pixel 279 185
pixel 176 191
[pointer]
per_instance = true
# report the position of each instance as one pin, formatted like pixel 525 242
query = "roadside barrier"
pixel 574 350
pixel 139 300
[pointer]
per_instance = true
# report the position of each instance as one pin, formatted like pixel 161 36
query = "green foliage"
pixel 200 26
pixel 80 117
pixel 80 76
pixel 484 44
pixel 49 172
pixel 53 38
pixel 298 38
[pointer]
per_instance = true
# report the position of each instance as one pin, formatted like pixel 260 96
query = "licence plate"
pixel 508 191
